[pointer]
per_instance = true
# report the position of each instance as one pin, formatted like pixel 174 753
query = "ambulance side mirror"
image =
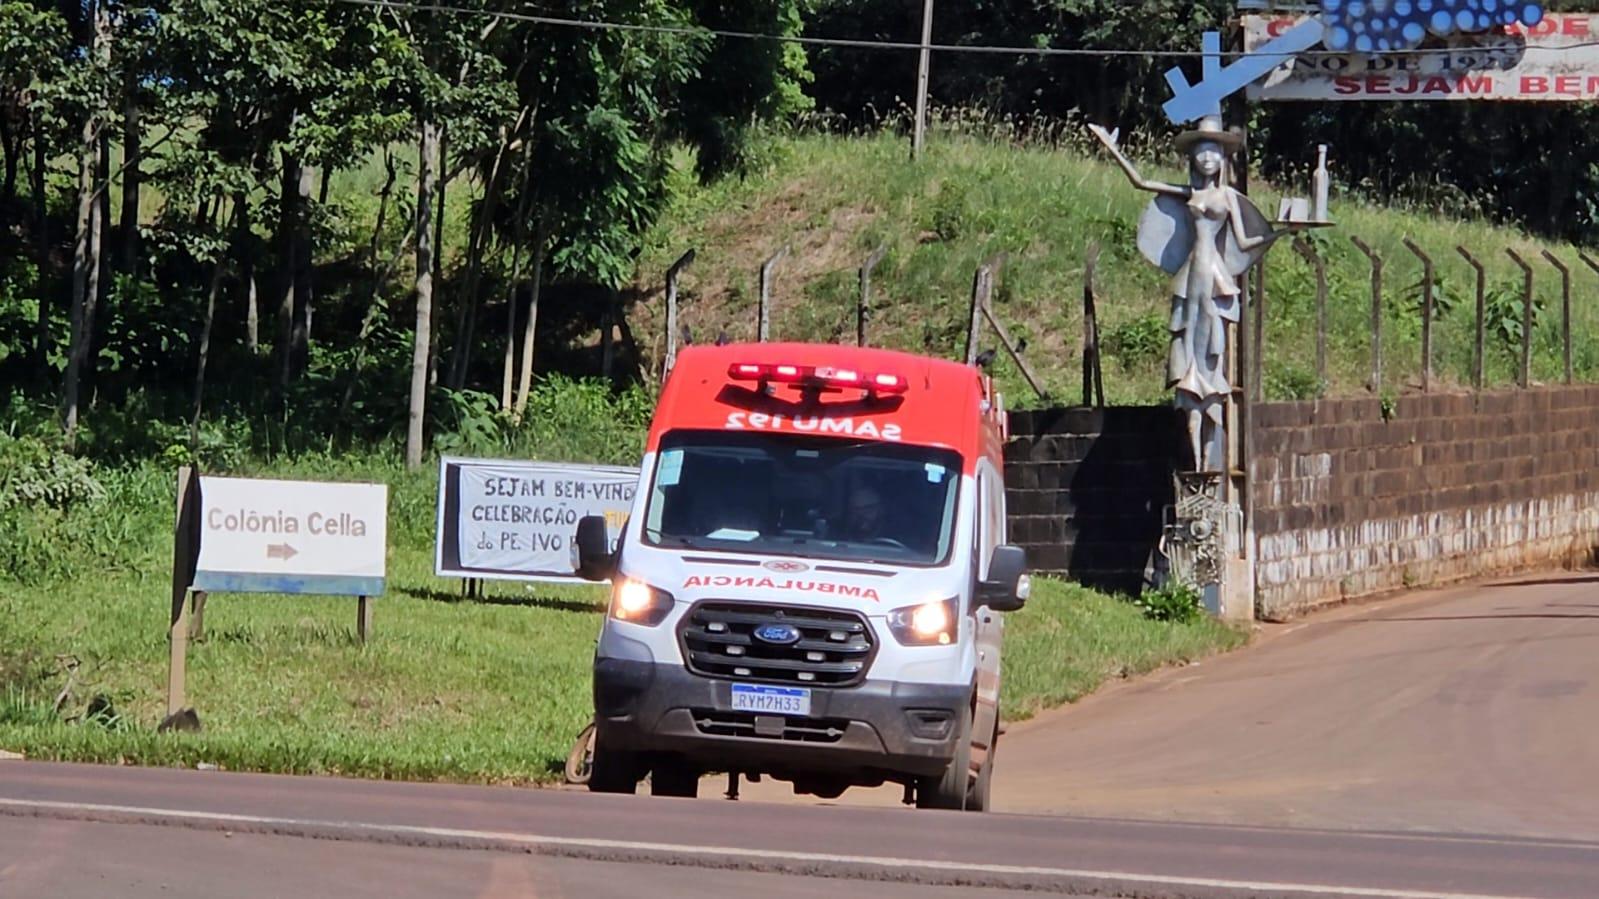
pixel 1007 586
pixel 595 562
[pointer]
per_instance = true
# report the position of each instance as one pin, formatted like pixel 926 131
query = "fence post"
pixel 1093 380
pixel 1308 251
pixel 863 308
pixel 1375 384
pixel 185 553
pixel 763 328
pixel 1565 308
pixel 1482 313
pixel 982 290
pixel 982 286
pixel 1426 312
pixel 1526 316
pixel 671 310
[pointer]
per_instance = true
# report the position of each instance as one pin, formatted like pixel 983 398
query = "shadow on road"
pixel 1548 581
pixel 1498 617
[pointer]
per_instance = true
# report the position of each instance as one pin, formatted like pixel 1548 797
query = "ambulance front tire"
pixel 673 777
pixel 949 790
pixel 614 770
pixel 977 799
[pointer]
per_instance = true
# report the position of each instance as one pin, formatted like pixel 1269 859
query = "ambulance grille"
pixel 834 648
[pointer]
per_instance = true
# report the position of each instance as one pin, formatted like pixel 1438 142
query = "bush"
pixel 1287 381
pixel 34 474
pixel 1175 602
pixel 122 526
pixel 1140 343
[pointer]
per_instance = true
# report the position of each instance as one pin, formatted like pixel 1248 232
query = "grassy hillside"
pixel 833 199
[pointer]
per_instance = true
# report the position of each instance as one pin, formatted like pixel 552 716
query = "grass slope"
pixel 833 199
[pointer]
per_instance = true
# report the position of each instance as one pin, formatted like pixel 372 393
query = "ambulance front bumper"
pixel 876 726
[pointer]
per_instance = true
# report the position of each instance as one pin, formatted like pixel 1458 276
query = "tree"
pixel 742 83
pixel 34 98
pixel 33 46
pixel 467 106
pixel 86 247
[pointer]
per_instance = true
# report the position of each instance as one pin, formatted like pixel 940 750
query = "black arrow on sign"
pixel 281 551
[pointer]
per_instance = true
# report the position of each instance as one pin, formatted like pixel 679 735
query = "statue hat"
pixel 1210 129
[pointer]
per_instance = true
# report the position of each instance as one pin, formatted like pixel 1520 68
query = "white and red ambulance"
pixel 810 582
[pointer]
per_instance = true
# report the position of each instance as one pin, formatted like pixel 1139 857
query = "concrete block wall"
pixel 1086 489
pixel 1448 486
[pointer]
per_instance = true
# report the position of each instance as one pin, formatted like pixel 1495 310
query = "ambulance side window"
pixel 980 531
pixel 989 520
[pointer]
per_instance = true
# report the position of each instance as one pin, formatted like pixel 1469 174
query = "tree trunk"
pixel 84 272
pixel 242 246
pixel 86 247
pixel 217 269
pixel 530 328
pixel 607 331
pixel 287 192
pixel 424 294
pixel 438 238
pixel 101 296
pixel 390 175
pixel 369 319
pixel 466 314
pixel 519 240
pixel 300 339
pixel 132 151
pixel 11 141
pixel 41 214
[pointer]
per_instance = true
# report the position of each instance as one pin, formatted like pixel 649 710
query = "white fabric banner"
pixel 516 520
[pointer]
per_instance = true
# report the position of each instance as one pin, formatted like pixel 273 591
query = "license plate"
pixel 771 700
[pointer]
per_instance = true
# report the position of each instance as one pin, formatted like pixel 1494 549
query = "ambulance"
pixel 811 583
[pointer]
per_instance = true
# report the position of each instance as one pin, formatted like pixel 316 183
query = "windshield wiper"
pixel 658 537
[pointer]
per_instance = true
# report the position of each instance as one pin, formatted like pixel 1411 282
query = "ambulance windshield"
pixel 792 495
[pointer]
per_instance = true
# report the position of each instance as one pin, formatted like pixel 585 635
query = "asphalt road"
pixel 1440 746
pixel 1469 710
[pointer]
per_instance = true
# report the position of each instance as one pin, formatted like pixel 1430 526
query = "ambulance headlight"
pixel 928 624
pixel 639 603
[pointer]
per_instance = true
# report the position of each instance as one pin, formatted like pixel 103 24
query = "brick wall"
pixel 1086 489
pixel 1448 487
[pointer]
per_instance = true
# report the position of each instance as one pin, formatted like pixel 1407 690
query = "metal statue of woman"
pixel 1206 234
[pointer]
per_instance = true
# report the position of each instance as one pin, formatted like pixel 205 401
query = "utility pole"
pixel 921 81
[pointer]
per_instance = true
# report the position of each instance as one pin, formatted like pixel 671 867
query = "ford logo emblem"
pixel 780 634
pixel 785 565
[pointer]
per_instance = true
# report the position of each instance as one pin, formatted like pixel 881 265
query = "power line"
pixel 992 50
pixel 855 43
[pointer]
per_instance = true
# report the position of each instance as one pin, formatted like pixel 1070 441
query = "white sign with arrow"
pixel 262 536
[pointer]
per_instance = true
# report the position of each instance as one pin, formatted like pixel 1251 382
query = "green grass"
pixel 488 690
pixel 485 691
pixel 833 199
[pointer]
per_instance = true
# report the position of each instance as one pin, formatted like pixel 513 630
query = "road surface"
pixel 1468 710
pixel 1435 746
pixel 134 832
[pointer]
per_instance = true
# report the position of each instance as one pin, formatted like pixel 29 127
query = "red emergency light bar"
pixel 814 376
